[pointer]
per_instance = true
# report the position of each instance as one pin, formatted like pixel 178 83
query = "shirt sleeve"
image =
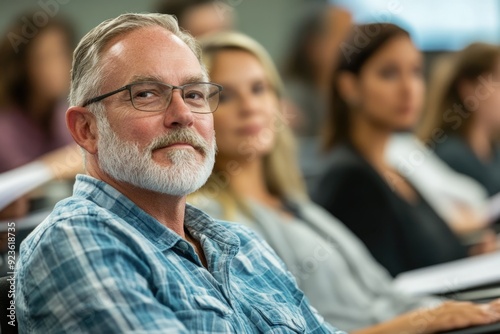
pixel 78 277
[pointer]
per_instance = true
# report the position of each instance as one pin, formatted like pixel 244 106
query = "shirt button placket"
pixel 183 245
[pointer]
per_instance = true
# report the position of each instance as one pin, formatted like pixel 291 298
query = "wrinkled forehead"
pixel 149 52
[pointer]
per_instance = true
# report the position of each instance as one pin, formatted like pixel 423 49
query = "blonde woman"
pixel 256 182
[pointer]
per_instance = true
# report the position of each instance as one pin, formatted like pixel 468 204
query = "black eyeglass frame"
pixel 172 87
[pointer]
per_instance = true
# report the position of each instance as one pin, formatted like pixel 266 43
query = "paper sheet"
pixel 493 208
pixel 452 276
pixel 22 180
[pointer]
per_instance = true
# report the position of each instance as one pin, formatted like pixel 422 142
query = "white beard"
pixel 123 161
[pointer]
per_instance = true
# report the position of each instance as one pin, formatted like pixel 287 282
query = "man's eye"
pixel 194 95
pixel 147 94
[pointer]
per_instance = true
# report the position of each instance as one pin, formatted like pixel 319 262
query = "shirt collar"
pixel 197 222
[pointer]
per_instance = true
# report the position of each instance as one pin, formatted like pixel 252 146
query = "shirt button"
pixel 183 245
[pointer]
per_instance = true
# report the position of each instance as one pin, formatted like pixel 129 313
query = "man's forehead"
pixel 147 41
pixel 182 78
pixel 153 52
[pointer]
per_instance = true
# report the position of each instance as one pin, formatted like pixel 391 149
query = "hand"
pixel 487 244
pixel 467 221
pixel 447 316
pixel 453 315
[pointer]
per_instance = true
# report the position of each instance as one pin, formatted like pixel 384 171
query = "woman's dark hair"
pixel 363 42
pixel 446 105
pixel 179 8
pixel 312 26
pixel 15 86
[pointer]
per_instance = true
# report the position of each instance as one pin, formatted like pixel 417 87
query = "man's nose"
pixel 178 113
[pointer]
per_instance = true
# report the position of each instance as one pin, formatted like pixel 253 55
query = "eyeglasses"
pixel 200 97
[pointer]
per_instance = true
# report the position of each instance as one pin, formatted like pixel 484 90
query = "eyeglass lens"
pixel 151 96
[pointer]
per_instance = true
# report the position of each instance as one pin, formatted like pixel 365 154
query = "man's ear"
pixel 82 125
pixel 348 88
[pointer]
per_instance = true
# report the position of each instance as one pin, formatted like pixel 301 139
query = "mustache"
pixel 184 135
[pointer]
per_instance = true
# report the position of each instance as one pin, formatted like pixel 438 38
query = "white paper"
pixel 493 208
pixel 452 276
pixel 22 180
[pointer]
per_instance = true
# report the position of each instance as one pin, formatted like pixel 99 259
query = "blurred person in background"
pixel 307 78
pixel 35 144
pixel 466 110
pixel 378 89
pixel 33 88
pixel 200 17
pixel 308 69
pixel 457 198
pixel 256 181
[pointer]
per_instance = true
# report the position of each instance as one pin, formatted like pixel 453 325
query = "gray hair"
pixel 87 71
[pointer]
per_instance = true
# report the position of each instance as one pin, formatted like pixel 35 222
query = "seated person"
pixel 256 182
pixel 33 87
pixel 375 93
pixel 463 205
pixel 466 110
pixel 34 139
pixel 125 253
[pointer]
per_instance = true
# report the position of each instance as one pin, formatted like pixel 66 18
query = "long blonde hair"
pixel 282 176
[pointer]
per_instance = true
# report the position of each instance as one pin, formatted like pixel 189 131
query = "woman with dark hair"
pixel 378 89
pixel 466 111
pixel 35 145
pixel 200 17
pixel 33 85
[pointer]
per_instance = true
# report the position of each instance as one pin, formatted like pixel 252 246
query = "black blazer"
pixel 401 236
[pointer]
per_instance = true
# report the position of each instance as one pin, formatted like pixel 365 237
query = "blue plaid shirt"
pixel 100 264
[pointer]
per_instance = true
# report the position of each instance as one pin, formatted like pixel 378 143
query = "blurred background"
pixel 444 25
pixel 304 38
pixel 270 22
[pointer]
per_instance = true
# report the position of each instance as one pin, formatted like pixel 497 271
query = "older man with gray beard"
pixel 125 253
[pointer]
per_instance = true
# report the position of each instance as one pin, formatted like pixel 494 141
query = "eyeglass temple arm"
pixel 102 97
